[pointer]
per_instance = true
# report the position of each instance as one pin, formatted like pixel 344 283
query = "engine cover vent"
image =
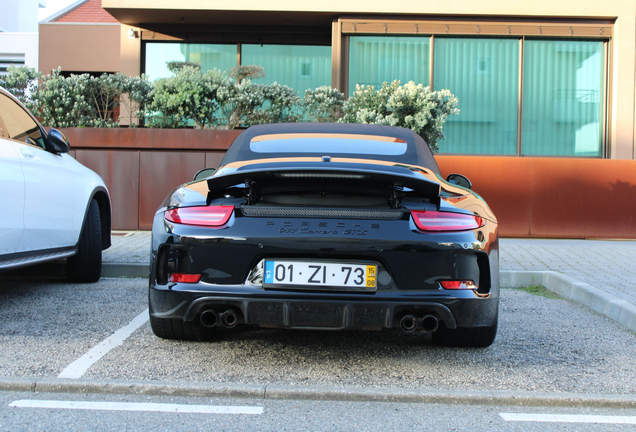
pixel 321 213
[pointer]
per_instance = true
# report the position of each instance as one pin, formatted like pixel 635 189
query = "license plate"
pixel 356 276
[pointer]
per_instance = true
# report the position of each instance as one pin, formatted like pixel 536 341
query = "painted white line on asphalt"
pixel 131 406
pixel 567 418
pixel 81 365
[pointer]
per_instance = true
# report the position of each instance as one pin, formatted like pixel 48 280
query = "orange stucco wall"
pixel 80 47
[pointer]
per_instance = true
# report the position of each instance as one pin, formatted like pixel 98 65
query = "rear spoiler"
pixel 395 175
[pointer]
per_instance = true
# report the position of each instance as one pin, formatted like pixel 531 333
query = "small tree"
pixel 138 92
pixel 323 104
pixel 250 72
pixel 21 82
pixel 189 94
pixel 104 94
pixel 412 106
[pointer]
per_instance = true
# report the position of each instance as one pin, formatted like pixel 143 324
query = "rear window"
pixel 328 144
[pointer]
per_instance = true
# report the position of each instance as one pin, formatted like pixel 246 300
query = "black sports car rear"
pixel 326 226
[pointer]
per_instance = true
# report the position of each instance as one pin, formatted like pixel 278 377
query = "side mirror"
pixel 57 142
pixel 459 180
pixel 204 173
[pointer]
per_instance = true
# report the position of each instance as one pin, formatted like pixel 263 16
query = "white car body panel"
pixel 11 197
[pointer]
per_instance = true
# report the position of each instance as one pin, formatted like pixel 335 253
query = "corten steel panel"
pixel 120 171
pixel 212 160
pixel 592 198
pixel 142 138
pixel 160 173
pixel 553 197
pixel 503 182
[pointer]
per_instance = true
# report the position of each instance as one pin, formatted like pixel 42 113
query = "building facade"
pixel 534 79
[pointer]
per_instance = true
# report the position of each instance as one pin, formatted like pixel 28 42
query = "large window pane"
pixel 375 59
pixel 562 94
pixel 484 75
pixel 298 66
pixel 221 57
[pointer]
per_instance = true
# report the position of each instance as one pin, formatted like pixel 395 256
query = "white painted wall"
pixel 21 43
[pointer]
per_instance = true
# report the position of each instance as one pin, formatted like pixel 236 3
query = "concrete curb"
pixel 118 270
pixel 604 303
pixel 282 392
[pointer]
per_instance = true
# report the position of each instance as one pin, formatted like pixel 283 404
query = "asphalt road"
pixel 543 345
pixel 20 412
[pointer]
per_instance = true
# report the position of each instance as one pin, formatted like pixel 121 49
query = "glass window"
pixel 210 56
pixel 298 66
pixel 328 144
pixel 484 76
pixel 375 59
pixel 562 94
pixel 19 125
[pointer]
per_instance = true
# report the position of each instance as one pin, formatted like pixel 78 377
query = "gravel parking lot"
pixel 549 345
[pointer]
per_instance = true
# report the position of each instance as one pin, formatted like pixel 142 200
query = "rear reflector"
pixel 458 284
pixel 213 216
pixel 444 221
pixel 184 278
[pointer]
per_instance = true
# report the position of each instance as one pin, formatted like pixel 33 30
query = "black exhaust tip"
pixel 229 319
pixel 209 318
pixel 408 323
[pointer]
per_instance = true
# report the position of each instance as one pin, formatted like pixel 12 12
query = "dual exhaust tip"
pixel 211 318
pixel 427 323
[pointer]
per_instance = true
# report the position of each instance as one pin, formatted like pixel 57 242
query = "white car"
pixel 52 206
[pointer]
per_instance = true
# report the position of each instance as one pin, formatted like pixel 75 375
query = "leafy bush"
pixel 187 95
pixel 21 82
pixel 64 102
pixel 137 99
pixel 412 106
pixel 323 104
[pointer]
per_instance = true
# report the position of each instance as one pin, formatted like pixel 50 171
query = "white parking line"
pixel 81 365
pixel 131 406
pixel 567 418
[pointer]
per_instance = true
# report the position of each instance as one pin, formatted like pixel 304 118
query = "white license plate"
pixel 321 274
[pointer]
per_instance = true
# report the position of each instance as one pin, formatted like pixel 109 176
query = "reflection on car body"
pixel 326 226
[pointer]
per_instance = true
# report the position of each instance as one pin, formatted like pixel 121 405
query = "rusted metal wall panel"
pixel 554 197
pixel 120 171
pixel 160 173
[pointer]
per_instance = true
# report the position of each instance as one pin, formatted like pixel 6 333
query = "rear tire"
pixel 465 337
pixel 178 329
pixel 86 265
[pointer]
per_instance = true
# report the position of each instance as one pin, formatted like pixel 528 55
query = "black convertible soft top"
pixel 415 151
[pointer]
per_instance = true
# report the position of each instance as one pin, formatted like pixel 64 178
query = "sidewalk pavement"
pixel 600 274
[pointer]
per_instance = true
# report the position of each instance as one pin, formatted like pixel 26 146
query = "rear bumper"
pixel 316 310
pixel 415 263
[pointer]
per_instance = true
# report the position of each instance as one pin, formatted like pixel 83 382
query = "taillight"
pixel 213 216
pixel 184 278
pixel 458 284
pixel 428 220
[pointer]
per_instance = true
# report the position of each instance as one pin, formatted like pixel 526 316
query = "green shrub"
pixel 138 91
pixel 323 104
pixel 21 82
pixel 187 95
pixel 412 106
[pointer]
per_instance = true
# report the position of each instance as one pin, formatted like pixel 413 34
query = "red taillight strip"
pixel 428 220
pixel 458 284
pixel 184 278
pixel 213 216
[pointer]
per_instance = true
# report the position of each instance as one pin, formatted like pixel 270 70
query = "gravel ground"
pixel 543 345
pixel 47 324
pixel 549 345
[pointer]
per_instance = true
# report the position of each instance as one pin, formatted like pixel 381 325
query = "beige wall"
pixel 80 47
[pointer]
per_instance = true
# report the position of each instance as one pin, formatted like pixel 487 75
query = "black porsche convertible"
pixel 326 226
